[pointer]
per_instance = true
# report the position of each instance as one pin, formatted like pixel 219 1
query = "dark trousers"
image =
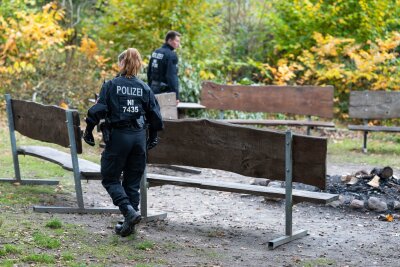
pixel 124 153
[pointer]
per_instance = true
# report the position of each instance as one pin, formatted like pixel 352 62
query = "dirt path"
pixel 210 228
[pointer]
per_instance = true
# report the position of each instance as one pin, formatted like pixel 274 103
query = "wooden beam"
pixel 300 100
pixel 298 195
pixel 374 128
pixel 243 150
pixel 374 105
pixel 281 122
pixel 61 158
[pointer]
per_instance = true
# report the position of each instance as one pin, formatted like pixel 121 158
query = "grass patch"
pixel 145 245
pixel 40 258
pixel 46 241
pixel 380 153
pixel 171 246
pixel 67 256
pixel 54 224
pixel 320 262
pixel 11 249
pixel 8 263
pixel 25 195
pixel 136 257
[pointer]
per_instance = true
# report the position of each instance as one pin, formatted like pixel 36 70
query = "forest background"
pixel 54 51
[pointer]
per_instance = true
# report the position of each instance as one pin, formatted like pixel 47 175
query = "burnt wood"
pixel 45 123
pixel 299 100
pixel 298 195
pixel 167 102
pixel 374 105
pixel 326 124
pixel 373 128
pixel 243 150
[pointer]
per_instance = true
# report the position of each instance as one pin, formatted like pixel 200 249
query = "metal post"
pixel 143 195
pixel 221 114
pixel 143 202
pixel 364 150
pixel 12 138
pixel 74 157
pixel 288 181
pixel 289 235
pixel 308 127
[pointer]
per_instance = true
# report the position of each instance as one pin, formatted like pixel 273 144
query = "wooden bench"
pixel 308 101
pixel 377 105
pixel 53 125
pixel 197 143
pixel 247 151
pixel 170 110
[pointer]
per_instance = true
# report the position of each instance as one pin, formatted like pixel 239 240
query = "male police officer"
pixel 126 103
pixel 162 72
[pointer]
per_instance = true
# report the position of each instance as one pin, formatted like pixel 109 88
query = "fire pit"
pixel 377 190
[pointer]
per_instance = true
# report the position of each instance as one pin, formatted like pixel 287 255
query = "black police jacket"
pixel 126 100
pixel 163 68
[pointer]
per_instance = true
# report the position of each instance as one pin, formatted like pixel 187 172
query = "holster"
pixel 105 130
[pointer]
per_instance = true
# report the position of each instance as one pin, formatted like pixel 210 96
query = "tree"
pixel 294 22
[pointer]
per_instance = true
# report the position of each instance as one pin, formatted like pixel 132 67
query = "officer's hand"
pixel 88 137
pixel 152 143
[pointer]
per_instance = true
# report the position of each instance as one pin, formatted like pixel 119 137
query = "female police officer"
pixel 127 104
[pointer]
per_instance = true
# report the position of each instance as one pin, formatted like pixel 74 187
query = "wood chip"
pixel 374 182
pixel 353 180
pixel 345 178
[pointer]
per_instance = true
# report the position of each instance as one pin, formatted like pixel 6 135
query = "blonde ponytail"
pixel 130 62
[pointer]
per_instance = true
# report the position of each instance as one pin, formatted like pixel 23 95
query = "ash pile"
pixel 378 190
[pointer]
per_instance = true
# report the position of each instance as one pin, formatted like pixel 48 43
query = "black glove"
pixel 88 135
pixel 152 141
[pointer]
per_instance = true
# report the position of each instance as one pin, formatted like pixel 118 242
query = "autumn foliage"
pixel 63 50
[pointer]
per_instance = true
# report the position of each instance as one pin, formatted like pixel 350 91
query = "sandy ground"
pixel 229 229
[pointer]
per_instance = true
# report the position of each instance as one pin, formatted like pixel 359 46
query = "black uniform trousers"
pixel 125 152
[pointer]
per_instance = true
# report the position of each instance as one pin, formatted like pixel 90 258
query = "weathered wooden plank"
pixel 188 105
pixel 45 123
pixel 281 122
pixel 374 105
pixel 374 128
pixel 168 106
pixel 300 100
pixel 59 157
pixel 247 151
pixel 298 195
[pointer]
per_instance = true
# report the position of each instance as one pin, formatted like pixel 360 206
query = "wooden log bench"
pixel 314 102
pixel 374 105
pixel 246 151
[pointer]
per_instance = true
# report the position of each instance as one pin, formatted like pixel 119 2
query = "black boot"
pixel 132 217
pixel 118 226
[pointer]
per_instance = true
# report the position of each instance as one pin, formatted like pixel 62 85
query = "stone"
pixel 376 204
pixel 305 187
pixel 345 200
pixel 357 204
pixel 275 184
pixel 260 181
pixel 396 205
